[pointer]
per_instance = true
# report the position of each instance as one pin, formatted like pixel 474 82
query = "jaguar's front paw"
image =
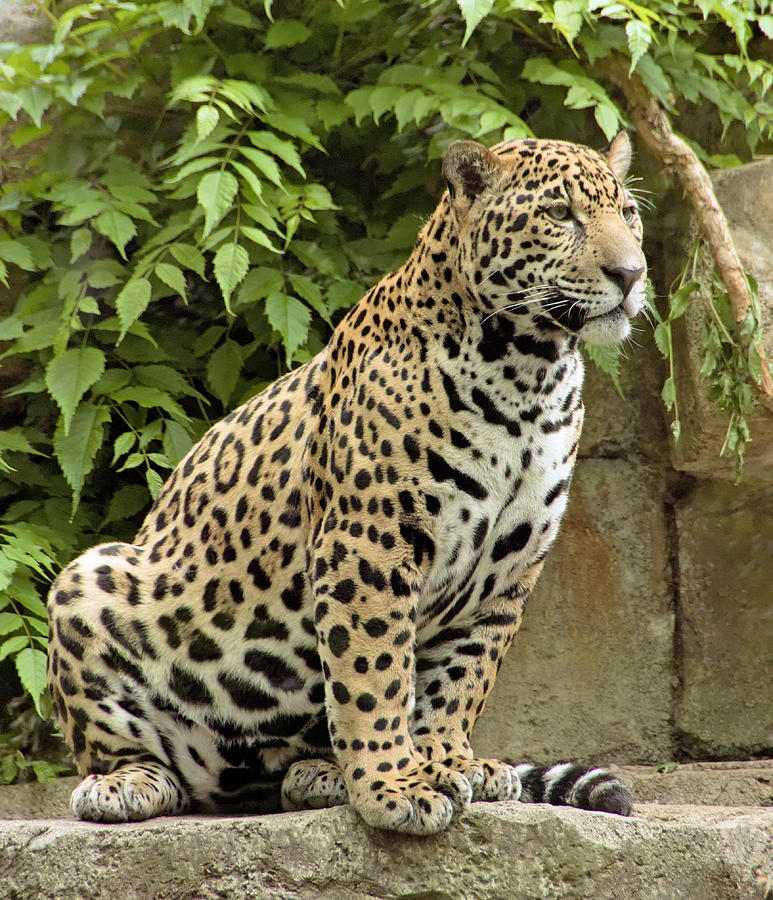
pixel 422 801
pixel 490 779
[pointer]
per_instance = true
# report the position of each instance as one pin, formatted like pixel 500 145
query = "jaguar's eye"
pixel 559 211
pixel 629 212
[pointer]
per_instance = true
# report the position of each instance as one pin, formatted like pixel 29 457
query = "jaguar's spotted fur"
pixel 339 566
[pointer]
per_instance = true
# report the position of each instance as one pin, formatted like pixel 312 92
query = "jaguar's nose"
pixel 624 278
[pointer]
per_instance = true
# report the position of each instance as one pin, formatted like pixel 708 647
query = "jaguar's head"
pixel 548 233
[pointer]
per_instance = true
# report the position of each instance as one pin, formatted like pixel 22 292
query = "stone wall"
pixel 650 633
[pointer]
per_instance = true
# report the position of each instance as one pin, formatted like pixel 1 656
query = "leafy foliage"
pixel 731 365
pixel 15 766
pixel 197 188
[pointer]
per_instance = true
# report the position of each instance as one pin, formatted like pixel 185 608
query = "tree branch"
pixel 679 159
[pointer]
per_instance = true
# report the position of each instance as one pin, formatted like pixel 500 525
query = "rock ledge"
pixel 504 850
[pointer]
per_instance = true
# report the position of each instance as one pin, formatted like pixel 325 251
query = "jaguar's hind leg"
pixel 136 791
pixel 313 784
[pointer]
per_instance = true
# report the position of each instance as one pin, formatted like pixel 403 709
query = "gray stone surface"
pixel 506 850
pixel 22 22
pixel 633 424
pixel 37 801
pixel 725 706
pixel 747 783
pixel 590 675
pixel 746 196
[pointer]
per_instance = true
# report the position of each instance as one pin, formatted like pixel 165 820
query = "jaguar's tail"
pixel 569 784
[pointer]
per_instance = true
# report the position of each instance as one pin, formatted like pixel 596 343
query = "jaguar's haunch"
pixel 329 581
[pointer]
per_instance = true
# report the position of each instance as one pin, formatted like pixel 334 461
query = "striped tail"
pixel 569 784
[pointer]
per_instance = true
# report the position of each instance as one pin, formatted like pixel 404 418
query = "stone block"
pixel 590 675
pixel 632 424
pixel 22 22
pixel 494 851
pixel 747 783
pixel 725 540
pixel 746 196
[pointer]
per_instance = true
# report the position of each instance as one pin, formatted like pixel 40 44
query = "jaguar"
pixel 317 605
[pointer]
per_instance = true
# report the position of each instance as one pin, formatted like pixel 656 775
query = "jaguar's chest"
pixel 515 462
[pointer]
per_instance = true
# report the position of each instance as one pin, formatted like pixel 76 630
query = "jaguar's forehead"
pixel 548 166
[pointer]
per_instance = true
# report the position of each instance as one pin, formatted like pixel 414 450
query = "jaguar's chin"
pixel 608 328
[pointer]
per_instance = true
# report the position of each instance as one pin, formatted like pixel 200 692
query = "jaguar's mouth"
pixel 608 327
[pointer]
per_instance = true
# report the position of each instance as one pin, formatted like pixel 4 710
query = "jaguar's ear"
pixel 618 155
pixel 468 168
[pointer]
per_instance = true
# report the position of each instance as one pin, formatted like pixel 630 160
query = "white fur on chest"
pixel 525 477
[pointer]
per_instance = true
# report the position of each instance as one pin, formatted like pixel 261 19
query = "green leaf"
pixel 259 283
pixel 13 645
pixel 127 502
pixel 608 120
pixel 249 176
pixel 177 441
pixel 73 90
pixel 149 398
pixel 766 26
pixel 13 441
pixel 131 303
pixel 70 375
pixel 639 39
pixel 80 241
pixel 317 196
pixel 668 393
pixel 104 273
pixel 9 621
pixel 78 213
pixel 607 357
pixel 10 103
pixel 311 293
pixel 258 236
pixel 285 150
pixel 264 163
pixel 116 226
pixel 112 380
pixel 31 666
pixel 679 300
pixel 295 126
pixel 76 451
pixel 172 276
pixel 343 294
pixel 206 341
pixel 291 319
pixel 10 329
pixel 189 257
pixel 286 33
pixel 207 118
pixel 567 17
pixel 166 379
pixel 231 265
pixel 35 101
pixel 215 193
pixel 473 12
pixel 662 336
pixel 17 253
pixel 223 370
pixel 333 113
pixel 122 444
